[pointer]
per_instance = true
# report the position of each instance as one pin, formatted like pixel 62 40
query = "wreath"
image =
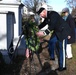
pixel 32 41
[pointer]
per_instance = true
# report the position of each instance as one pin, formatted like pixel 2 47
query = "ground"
pixel 24 66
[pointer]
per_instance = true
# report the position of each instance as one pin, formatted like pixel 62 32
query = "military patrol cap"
pixel 40 10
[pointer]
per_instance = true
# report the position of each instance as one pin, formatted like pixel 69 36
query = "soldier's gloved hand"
pixel 40 34
pixel 69 37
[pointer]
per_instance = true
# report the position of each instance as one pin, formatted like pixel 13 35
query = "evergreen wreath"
pixel 32 41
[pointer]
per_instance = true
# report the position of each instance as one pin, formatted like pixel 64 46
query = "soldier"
pixel 61 32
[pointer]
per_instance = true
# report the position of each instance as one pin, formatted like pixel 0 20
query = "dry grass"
pixel 71 63
pixel 21 66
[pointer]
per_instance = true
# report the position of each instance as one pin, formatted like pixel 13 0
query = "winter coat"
pixel 56 23
pixel 71 23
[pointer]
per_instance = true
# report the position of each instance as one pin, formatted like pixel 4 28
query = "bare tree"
pixel 32 4
pixel 73 12
pixel 71 3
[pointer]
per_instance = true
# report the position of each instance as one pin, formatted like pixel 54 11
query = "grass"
pixel 19 67
pixel 71 63
pixel 74 50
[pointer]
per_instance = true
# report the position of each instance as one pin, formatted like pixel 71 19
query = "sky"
pixel 57 5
